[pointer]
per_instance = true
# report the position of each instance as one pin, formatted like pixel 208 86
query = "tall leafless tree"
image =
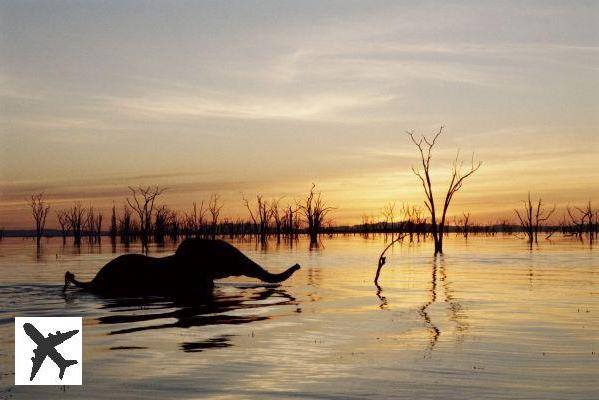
pixel 194 221
pixel 277 216
pixel 113 224
pixel 315 210
pixel 389 218
pixel 465 224
pixel 126 225
pixel 584 219
pixel 62 216
pixel 76 218
pixel 39 211
pixel 143 205
pixel 531 218
pixel 290 223
pixel 173 225
pixel 90 224
pixel 214 208
pixel 260 217
pixel 161 217
pixel 98 225
pixel 457 178
pixel 414 220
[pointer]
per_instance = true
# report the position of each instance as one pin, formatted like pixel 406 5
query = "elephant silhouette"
pixel 192 269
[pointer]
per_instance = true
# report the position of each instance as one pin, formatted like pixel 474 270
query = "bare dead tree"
pixel 39 211
pixel 93 224
pixel 214 207
pixel 389 215
pixel 98 225
pixel 583 219
pixel 382 259
pixel 160 223
pixel 194 221
pixel 417 215
pixel 389 218
pixel 457 178
pixel 173 225
pixel 76 216
pixel 289 219
pixel 315 210
pixel 90 224
pixel 113 224
pixel 366 224
pixel 260 217
pixel 126 225
pixel 62 216
pixel 276 215
pixel 253 219
pixel 531 219
pixel 135 229
pixel 412 215
pixel 143 205
pixel 465 222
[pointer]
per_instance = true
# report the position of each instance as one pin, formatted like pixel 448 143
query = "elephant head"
pixel 220 259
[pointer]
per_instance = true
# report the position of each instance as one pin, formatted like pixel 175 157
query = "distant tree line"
pixel 268 218
pixel 532 220
pixel 141 218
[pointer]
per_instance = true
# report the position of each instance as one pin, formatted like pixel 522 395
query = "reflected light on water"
pixel 490 318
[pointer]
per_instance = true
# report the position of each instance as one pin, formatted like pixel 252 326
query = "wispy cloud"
pixel 222 105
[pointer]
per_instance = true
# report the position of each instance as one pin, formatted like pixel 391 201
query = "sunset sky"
pixel 267 97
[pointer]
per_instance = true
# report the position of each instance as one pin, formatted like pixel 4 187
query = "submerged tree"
pixel 62 216
pixel 583 219
pixel 214 208
pixel 143 205
pixel 194 221
pixel 290 220
pixel 126 225
pixel 90 224
pixel 389 218
pixel 173 225
pixel 531 218
pixel 113 224
pixel 260 217
pixel 76 216
pixel 277 216
pixel 382 258
pixel 161 220
pixel 466 224
pixel 39 211
pixel 457 178
pixel 315 211
pixel 98 225
pixel 414 220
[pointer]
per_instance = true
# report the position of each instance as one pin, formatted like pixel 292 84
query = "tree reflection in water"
pixel 455 310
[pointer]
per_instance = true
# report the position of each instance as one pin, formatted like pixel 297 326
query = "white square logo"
pixel 48 350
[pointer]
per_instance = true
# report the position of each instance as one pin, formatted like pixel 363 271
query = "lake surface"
pixel 489 319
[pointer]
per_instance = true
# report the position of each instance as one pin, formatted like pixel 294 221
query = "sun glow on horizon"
pixel 208 98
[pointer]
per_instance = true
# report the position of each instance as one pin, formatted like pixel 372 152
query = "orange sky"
pixel 267 98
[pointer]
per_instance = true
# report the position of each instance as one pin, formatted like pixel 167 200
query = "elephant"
pixel 192 269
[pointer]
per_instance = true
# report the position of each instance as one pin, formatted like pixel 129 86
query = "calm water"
pixel 489 319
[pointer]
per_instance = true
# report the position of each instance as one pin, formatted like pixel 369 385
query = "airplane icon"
pixel 46 347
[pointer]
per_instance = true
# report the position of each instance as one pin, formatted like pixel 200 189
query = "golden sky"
pixel 267 97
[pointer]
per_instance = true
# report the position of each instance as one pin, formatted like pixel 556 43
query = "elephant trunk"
pixel 264 275
pixel 69 277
